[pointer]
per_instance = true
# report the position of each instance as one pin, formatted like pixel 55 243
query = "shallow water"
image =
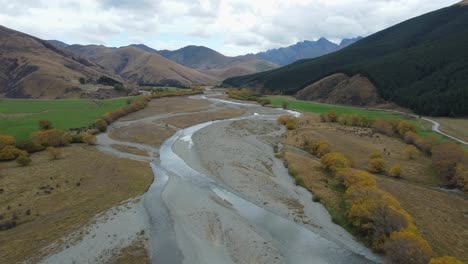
pixel 296 243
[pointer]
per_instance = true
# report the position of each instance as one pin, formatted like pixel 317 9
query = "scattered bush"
pixel 242 94
pixel 332 116
pixel 285 105
pixel 100 124
pixel 395 171
pixel 6 141
pixel 376 155
pixel 445 158
pixel 23 160
pixel 410 137
pixel 425 144
pixel 45 125
pixel 30 146
pixel 265 102
pixel 334 161
pixel 377 165
pixel 408 247
pixel 384 126
pixel 52 137
pixel 10 152
pixel 319 147
pixel 76 138
pixel 54 153
pixel 411 152
pixel 289 121
pixel 461 174
pixel 405 126
pixel 89 139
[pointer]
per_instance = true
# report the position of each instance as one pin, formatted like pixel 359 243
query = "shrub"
pixel 411 152
pixel 291 124
pixel 376 213
pixel 285 105
pixel 10 152
pixel 264 102
pixel 332 116
pixel 52 137
pixel 54 153
pixel 353 120
pixel 334 161
pixel 319 147
pixel 384 127
pixel 100 124
pixel 30 146
pixel 343 119
pixel 23 160
pixel 395 171
pixel 324 117
pixel 410 137
pixel 425 144
pixel 6 141
pixel 45 125
pixel 377 165
pixel 76 138
pixel 445 260
pixel 405 126
pixel 357 178
pixel 89 139
pixel 461 174
pixel 407 247
pixel 376 155
pixel 366 121
pixel 445 157
pixel 82 80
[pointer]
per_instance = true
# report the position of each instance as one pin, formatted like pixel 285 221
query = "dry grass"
pixel 456 127
pixel 193 119
pixel 144 133
pixel 131 150
pixel 438 215
pixel 359 143
pixel 181 104
pixel 85 182
pixel 315 180
pixel 136 253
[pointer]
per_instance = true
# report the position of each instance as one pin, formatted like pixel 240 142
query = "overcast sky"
pixel 232 27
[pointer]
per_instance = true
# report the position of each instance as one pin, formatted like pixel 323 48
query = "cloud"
pixel 230 26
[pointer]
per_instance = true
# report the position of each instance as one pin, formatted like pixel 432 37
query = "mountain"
pixel 420 64
pixel 303 50
pixel 34 68
pixel 58 43
pixel 216 64
pixel 142 67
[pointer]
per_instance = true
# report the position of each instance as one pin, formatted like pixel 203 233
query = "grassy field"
pixel 20 117
pixel 424 128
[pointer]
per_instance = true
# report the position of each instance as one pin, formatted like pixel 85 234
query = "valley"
pixel 193 132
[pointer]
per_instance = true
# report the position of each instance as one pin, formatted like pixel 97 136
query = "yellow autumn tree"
pixel 405 126
pixel 334 161
pixel 408 247
pixel 320 147
pixel 377 165
pixel 395 171
pixel 411 152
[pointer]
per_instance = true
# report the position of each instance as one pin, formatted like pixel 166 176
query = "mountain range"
pixel 303 50
pixel 421 64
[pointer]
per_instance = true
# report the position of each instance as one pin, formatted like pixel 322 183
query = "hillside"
pixel 421 64
pixel 216 64
pixel 142 67
pixel 31 67
pixel 303 50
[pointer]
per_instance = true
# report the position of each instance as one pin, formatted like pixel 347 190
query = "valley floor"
pixel 219 194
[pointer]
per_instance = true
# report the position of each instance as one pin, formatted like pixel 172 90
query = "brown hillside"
pixel 216 64
pixel 31 67
pixel 342 89
pixel 464 2
pixel 141 67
